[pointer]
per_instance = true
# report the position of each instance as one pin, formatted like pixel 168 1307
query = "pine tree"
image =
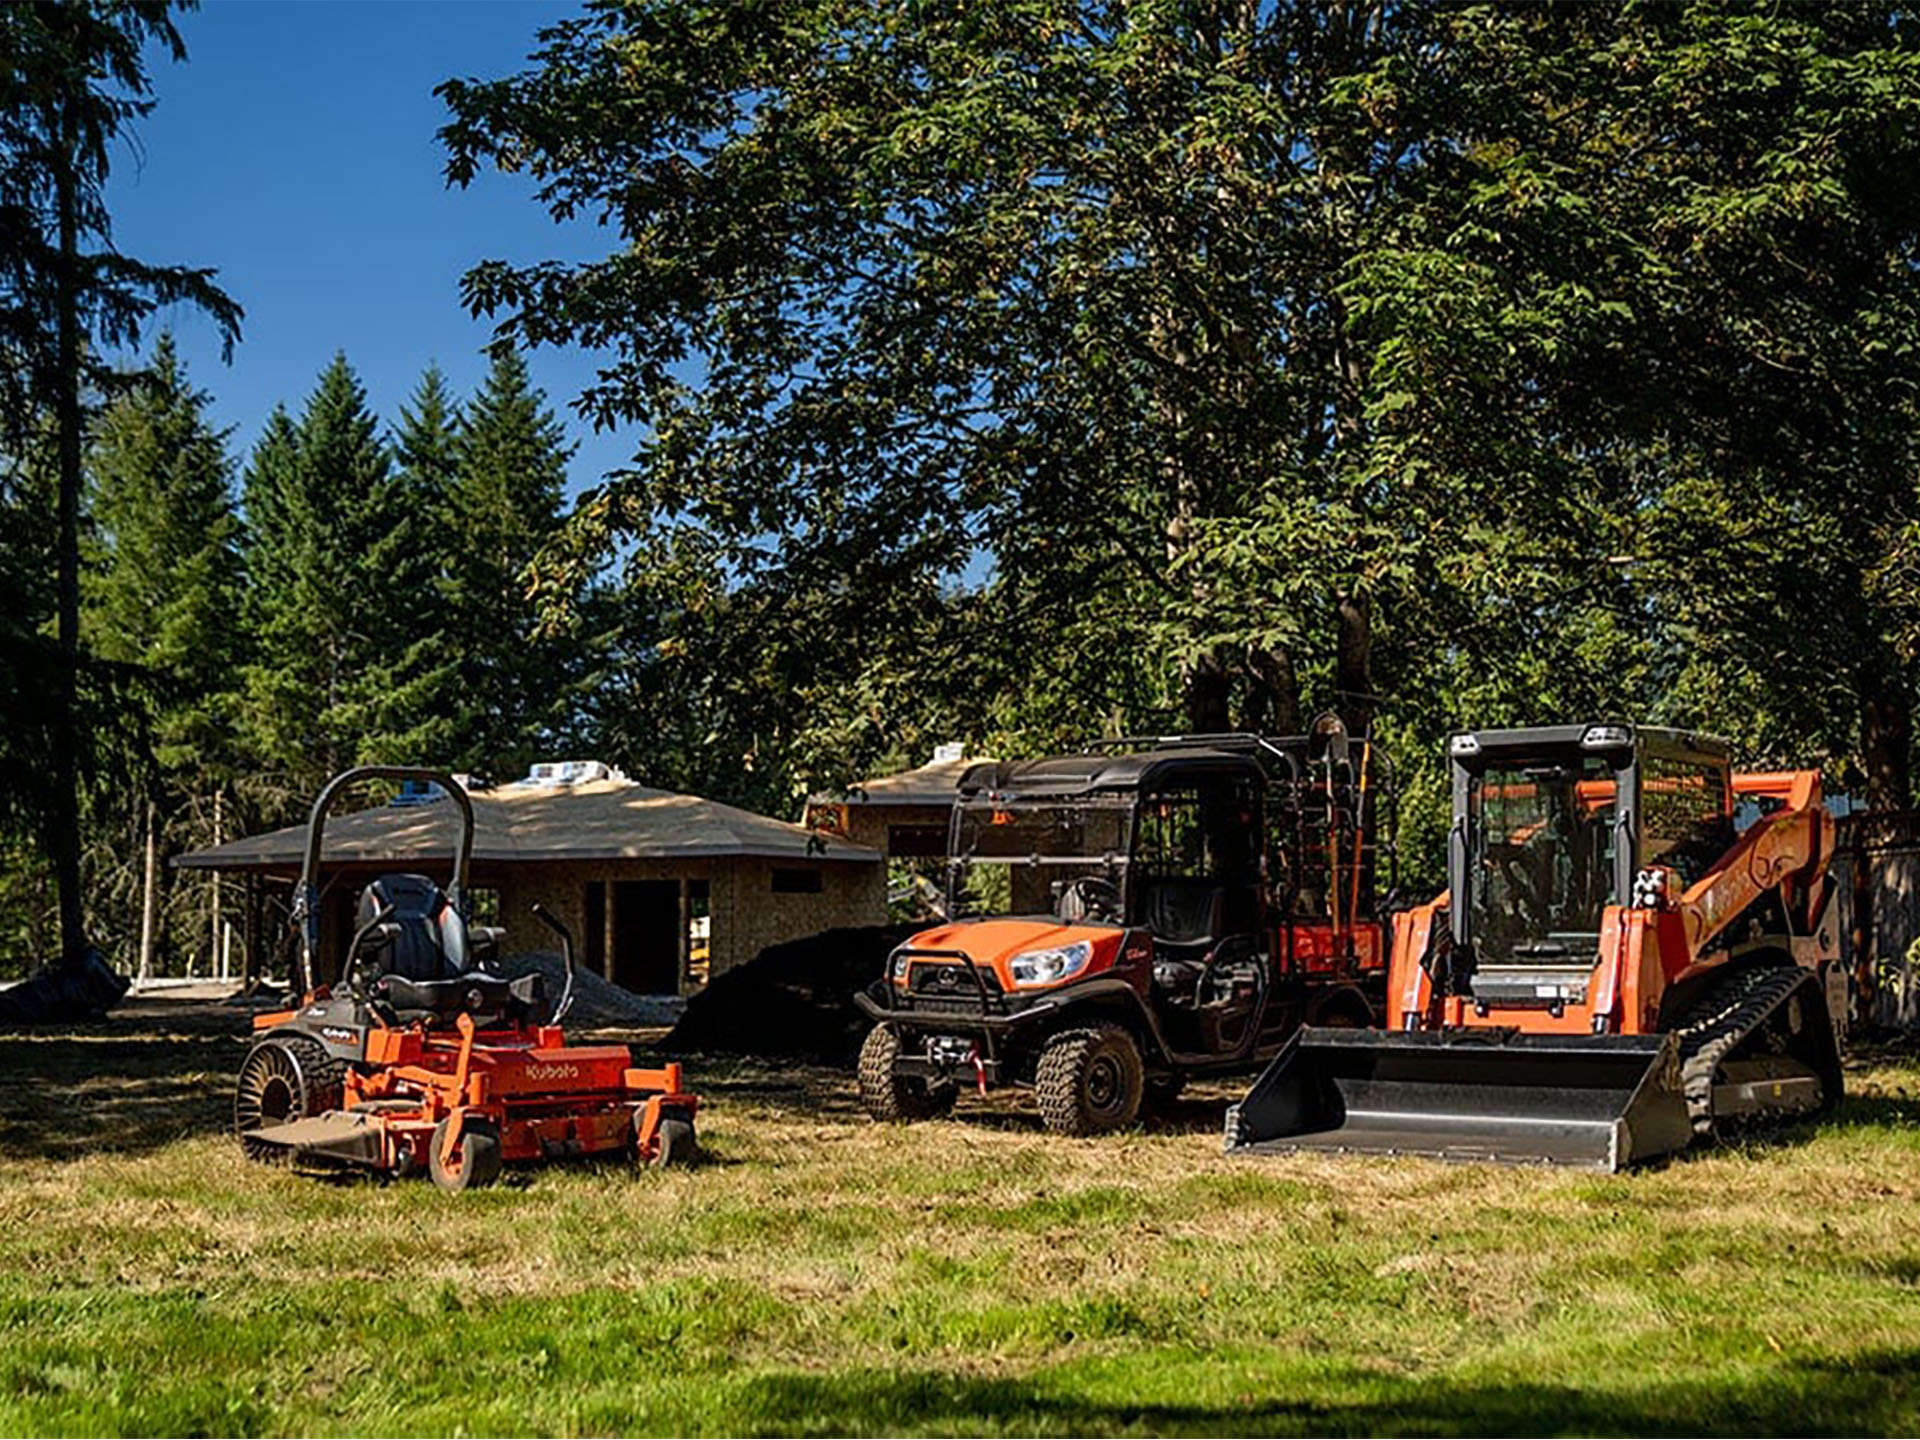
pixel 347 647
pixel 74 79
pixel 166 596
pixel 427 444
pixel 164 600
pixel 515 681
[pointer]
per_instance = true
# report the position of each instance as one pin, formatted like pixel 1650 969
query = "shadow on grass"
pixel 147 1075
pixel 1869 1394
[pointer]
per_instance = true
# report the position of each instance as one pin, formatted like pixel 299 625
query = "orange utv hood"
pixel 993 943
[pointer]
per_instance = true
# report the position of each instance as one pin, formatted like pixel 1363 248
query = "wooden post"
pixel 683 943
pixel 149 897
pixel 216 959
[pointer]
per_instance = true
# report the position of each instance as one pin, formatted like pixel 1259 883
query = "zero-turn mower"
pixel 420 1059
pixel 1637 951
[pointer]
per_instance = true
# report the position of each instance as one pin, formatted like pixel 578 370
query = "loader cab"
pixel 1551 825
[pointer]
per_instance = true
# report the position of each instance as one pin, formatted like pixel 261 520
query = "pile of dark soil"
pixel 597 1003
pixel 53 995
pixel 793 1000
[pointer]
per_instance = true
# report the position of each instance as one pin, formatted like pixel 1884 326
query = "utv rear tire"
pixel 283 1079
pixel 1089 1082
pixel 477 1157
pixel 892 1098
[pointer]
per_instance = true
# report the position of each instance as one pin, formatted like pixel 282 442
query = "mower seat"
pixel 426 971
pixel 476 994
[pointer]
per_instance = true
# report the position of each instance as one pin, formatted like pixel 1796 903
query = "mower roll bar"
pixel 306 896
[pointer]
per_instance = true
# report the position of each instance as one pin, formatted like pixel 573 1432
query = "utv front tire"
pixel 1089 1082
pixel 893 1098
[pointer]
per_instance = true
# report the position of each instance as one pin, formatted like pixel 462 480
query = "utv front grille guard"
pixel 884 1004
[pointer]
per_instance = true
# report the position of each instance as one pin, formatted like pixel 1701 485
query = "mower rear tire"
pixel 1089 1081
pixel 674 1145
pixel 283 1079
pixel 476 1158
pixel 893 1098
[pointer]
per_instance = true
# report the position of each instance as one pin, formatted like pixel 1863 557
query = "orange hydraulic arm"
pixel 1794 841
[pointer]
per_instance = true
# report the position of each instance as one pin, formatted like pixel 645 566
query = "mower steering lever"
pixel 551 921
pixel 379 925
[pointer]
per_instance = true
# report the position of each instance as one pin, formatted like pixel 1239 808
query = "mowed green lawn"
pixel 821 1274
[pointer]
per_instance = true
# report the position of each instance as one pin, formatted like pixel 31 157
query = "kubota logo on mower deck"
pixel 551 1072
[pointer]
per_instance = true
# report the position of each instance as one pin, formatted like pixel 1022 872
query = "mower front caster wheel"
pixel 475 1159
pixel 674 1146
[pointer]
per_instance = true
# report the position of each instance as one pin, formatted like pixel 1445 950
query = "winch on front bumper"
pixel 959 1007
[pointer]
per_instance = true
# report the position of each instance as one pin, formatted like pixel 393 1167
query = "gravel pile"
pixel 791 1001
pixel 597 1002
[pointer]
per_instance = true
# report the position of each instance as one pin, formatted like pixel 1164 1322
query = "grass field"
pixel 821 1274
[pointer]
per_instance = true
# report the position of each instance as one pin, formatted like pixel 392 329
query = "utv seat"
pixel 426 957
pixel 1184 913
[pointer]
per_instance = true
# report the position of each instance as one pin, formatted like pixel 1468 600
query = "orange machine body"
pixel 1646 950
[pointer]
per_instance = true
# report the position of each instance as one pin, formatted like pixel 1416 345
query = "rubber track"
pixel 1729 1013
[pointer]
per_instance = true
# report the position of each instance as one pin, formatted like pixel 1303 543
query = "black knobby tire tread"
pixel 1058 1080
pixel 324 1081
pixel 897 1099
pixel 1730 1011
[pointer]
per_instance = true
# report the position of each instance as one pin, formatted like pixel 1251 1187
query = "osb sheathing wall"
pixel 746 913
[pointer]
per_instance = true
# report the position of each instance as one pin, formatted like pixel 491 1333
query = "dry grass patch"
pixel 822 1274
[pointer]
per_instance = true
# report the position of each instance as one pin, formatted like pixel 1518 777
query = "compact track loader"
pixel 1636 951
pixel 420 1059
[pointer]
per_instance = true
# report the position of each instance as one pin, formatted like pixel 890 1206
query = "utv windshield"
pixel 1541 868
pixel 1008 856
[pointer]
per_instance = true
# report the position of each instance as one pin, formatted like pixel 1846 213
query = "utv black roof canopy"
pixel 1135 764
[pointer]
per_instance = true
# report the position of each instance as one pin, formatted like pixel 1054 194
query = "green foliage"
pixel 74 79
pixel 165 596
pixel 518 682
pixel 347 658
pixel 1176 364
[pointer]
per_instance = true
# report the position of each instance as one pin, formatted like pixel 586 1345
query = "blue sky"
pixel 294 152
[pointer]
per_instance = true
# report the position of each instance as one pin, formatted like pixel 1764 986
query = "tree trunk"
pixel 1272 702
pixel 1353 663
pixel 63 819
pixel 1208 689
pixel 149 895
pixel 214 951
pixel 1886 737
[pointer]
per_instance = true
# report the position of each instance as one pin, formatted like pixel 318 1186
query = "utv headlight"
pixel 1052 965
pixel 898 969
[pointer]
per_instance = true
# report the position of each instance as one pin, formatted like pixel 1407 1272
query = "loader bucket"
pixel 1602 1102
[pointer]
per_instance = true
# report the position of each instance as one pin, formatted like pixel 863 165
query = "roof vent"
pixel 417 792
pixel 553 773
